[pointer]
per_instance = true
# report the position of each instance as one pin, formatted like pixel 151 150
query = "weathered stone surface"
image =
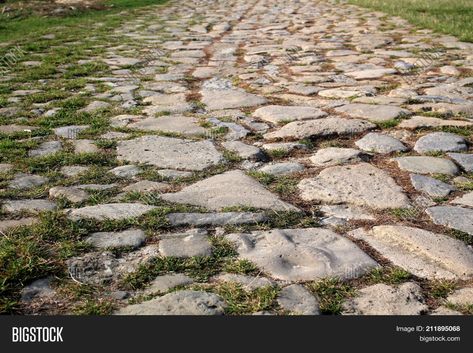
pixel 465 200
pixel 45 149
pixel 453 217
pixel 215 219
pixel 320 128
pixel 27 181
pixel 284 146
pixel 13 128
pixel 73 170
pixel 243 150
pixel 464 160
pixel 229 99
pixel 194 242
pixel 170 103
pixel 302 254
pixel 33 206
pixel 248 283
pixel 70 132
pixel 164 283
pixel 183 302
pixel 39 289
pixel 72 194
pixel 178 124
pixel 126 171
pixel 130 237
pixel 416 122
pixel 115 211
pixel 372 112
pixel 426 165
pixel 440 142
pixel 282 168
pixel 380 143
pixel 463 296
pixel 146 186
pixel 370 74
pixel 381 299
pixel 331 156
pixel 166 152
pixel 233 188
pixel 346 212
pixel 431 186
pixel 423 253
pixel 85 146
pixel 280 113
pixel 95 106
pixel 11 224
pixel 361 185
pixel 298 300
pixel 174 174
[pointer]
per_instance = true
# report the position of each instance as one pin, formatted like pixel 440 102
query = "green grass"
pixel 332 293
pixel 445 16
pixel 34 26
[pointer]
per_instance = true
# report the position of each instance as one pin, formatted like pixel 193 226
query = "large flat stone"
pixel 215 219
pixel 130 237
pixel 320 128
pixel 229 99
pixel 178 124
pixel 423 253
pixel 416 122
pixel 464 160
pixel 31 205
pixel 193 242
pixel 280 113
pixel 164 283
pixel 381 299
pixel 361 185
pixel 465 200
pixel 440 142
pixel 298 300
pixel 331 156
pixel 114 211
pixel 11 224
pixel 302 254
pixel 431 186
pixel 372 112
pixel 426 165
pixel 233 188
pixel 166 152
pixel 458 218
pixel 185 302
pixel 380 143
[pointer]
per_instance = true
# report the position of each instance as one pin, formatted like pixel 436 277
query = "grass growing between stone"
pixel 445 16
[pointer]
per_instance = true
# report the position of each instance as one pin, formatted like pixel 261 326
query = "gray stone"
pixel 284 146
pixel 464 160
pixel 381 299
pixel 248 283
pixel 426 165
pixel 465 200
pixel 346 212
pixel 453 217
pixel 183 302
pixel 27 181
pixel 123 120
pixel 416 122
pixel 13 128
pixel 431 186
pixel 172 103
pixel 130 237
pixel 463 296
pixel 126 171
pixel 380 143
pixel 70 132
pixel 45 149
pixel 422 253
pixel 282 168
pixel 298 300
pixel 440 142
pixel 166 152
pixel 370 74
pixel 72 194
pixel 229 99
pixel 31 205
pixel 230 189
pixel 113 211
pixel 215 219
pixel 361 185
pixel 85 146
pixel 193 242
pixel 73 170
pixel 331 156
pixel 177 124
pixel 243 150
pixel 174 174
pixel 95 106
pixel 11 224
pixel 372 112
pixel 279 113
pixel 164 283
pixel 39 289
pixel 302 254
pixel 321 128
pixel 146 186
